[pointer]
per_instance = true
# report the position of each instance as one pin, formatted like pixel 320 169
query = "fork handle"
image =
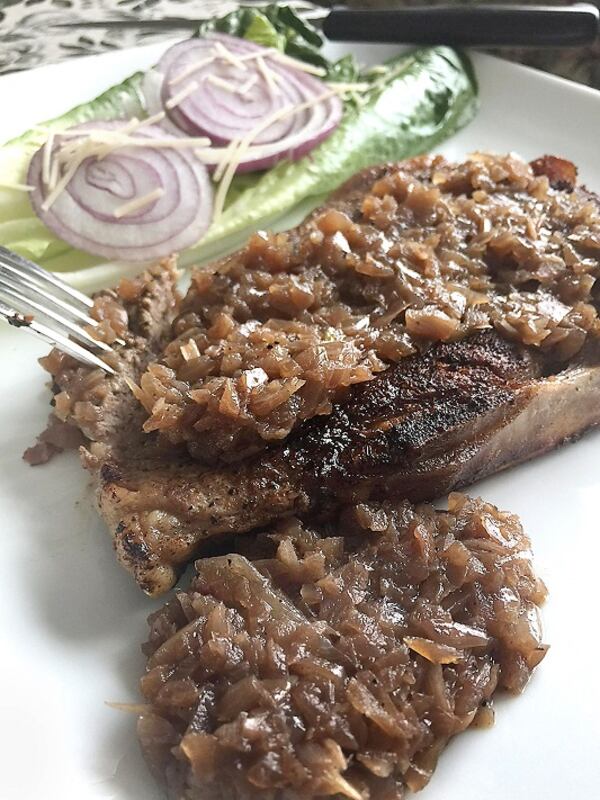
pixel 468 26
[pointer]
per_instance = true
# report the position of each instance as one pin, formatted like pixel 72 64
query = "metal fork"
pixel 28 293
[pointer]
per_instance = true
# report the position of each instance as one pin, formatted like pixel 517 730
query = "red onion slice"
pixel 223 115
pixel 151 90
pixel 83 215
pixel 206 92
pixel 291 148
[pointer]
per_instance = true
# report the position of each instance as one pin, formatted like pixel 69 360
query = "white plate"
pixel 71 621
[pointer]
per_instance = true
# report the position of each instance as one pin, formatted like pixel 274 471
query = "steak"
pixel 404 257
pixel 425 427
pixel 514 373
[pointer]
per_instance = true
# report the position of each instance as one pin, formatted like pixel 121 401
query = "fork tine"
pixel 53 338
pixel 27 303
pixel 42 276
pixel 14 276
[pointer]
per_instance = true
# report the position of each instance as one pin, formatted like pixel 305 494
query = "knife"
pixel 462 26
pixel 468 26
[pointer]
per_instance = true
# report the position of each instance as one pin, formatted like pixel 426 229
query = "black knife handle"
pixel 468 26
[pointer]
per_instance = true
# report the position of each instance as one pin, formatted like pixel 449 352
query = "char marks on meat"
pixel 340 661
pixel 515 373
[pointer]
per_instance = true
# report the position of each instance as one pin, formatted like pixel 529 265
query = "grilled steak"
pixel 403 257
pixel 491 360
pixel 423 428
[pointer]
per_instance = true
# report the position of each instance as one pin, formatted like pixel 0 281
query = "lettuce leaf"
pixel 414 102
pixel 280 26
pixel 262 32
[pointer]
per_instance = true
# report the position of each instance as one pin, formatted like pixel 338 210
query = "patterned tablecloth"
pixel 36 32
